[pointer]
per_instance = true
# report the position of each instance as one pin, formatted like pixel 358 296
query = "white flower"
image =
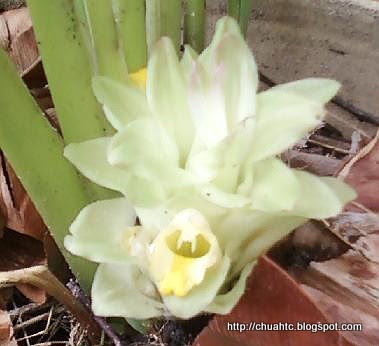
pixel 195 154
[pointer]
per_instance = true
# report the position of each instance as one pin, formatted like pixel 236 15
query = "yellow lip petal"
pixel 139 77
pixel 177 281
pixel 182 254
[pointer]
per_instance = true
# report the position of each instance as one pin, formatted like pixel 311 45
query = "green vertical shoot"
pixel 64 47
pixel 194 24
pixel 153 23
pixel 241 10
pixel 130 19
pixel 35 152
pixel 164 18
pixel 68 68
pixel 108 55
pixel 171 21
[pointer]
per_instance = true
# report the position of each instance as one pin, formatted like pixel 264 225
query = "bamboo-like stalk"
pixel 130 19
pixel 40 276
pixel 241 10
pixel 194 24
pixel 35 152
pixel 108 55
pixel 245 12
pixel 163 18
pixel 68 68
pixel 153 25
pixel 171 21
pixel 68 63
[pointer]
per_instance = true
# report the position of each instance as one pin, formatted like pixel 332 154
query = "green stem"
pixel 171 21
pixel 163 18
pixel 40 276
pixel 130 19
pixel 63 45
pixel 65 59
pixel 246 7
pixel 241 10
pixel 194 24
pixel 153 24
pixel 109 60
pixel 35 152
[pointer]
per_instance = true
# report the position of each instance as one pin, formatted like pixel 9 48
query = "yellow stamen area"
pixel 178 280
pixel 139 77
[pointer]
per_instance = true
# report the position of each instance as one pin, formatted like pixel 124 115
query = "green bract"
pixel 195 157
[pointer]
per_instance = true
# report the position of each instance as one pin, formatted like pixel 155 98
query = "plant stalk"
pixel 108 55
pixel 35 152
pixel 194 24
pixel 68 68
pixel 130 19
pixel 241 10
pixel 64 46
pixel 163 18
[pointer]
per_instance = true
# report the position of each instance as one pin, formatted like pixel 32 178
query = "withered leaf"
pixel 6 330
pixel 272 296
pixel 362 172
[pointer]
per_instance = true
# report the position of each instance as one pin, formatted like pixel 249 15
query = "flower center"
pixel 198 247
pixel 139 77
pixel 182 254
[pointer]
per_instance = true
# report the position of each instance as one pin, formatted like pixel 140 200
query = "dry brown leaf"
pixel 362 172
pixel 17 37
pixel 360 231
pixel 20 212
pixel 41 277
pixel 347 290
pixel 272 296
pixel 19 251
pixel 314 163
pixel 6 330
pixel 347 124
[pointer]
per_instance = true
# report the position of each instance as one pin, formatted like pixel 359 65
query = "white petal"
pixel 122 103
pixel 224 26
pixel 156 218
pixel 97 232
pixel 124 291
pixel 224 303
pixel 238 226
pixel 205 163
pixel 269 234
pixel 319 90
pixel 188 61
pixel 200 296
pixel 166 92
pixel 222 88
pixel 143 147
pixel 144 193
pixel 222 162
pixel 222 198
pixel 283 119
pixel 90 158
pixel 275 186
pixel 235 65
pixel 229 56
pixel 206 102
pixel 182 253
pixel 190 198
pixel 233 152
pixel 321 197
pixel 246 179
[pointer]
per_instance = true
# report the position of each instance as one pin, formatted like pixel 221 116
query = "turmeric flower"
pixel 195 157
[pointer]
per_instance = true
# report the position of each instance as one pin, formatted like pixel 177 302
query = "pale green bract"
pixel 195 156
